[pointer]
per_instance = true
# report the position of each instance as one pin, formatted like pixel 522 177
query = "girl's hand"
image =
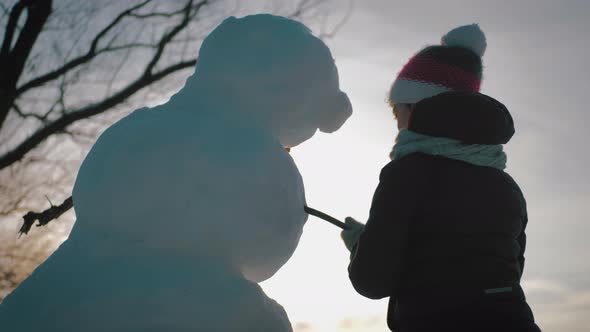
pixel 351 235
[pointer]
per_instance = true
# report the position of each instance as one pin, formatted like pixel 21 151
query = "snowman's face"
pixel 289 102
pixel 304 99
pixel 273 74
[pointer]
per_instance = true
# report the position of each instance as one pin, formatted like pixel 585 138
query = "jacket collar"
pixel 470 117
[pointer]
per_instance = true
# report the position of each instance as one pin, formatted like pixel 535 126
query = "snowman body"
pixel 74 291
pixel 179 215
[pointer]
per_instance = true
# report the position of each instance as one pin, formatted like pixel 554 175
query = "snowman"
pixel 182 209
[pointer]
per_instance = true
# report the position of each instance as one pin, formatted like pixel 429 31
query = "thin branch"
pixel 340 24
pixel 46 216
pixel 299 9
pixel 80 137
pixel 117 70
pixel 92 52
pixel 74 44
pixel 157 14
pixel 61 99
pixel 170 35
pixel 4 8
pixel 24 115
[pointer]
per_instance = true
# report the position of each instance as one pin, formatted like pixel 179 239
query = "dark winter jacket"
pixel 442 231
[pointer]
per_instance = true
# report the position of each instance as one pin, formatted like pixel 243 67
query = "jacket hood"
pixel 469 117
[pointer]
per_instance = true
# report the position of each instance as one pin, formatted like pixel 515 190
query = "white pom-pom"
pixel 468 36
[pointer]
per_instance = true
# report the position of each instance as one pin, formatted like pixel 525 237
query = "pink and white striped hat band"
pixel 455 65
pixel 424 77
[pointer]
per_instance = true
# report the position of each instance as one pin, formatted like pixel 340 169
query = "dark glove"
pixel 351 235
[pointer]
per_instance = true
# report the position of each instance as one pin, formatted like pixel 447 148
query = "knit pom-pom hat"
pixel 455 65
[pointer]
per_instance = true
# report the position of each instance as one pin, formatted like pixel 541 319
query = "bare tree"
pixel 70 68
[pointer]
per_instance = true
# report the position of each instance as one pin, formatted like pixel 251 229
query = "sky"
pixel 535 64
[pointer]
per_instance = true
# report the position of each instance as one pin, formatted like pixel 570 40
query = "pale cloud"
pixel 558 306
pixel 375 323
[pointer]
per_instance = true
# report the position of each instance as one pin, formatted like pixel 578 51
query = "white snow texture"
pixel 182 208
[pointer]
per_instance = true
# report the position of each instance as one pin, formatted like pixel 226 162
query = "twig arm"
pixel 325 217
pixel 54 212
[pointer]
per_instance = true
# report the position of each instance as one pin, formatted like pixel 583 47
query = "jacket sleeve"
pixel 522 244
pixel 377 259
pixel 522 236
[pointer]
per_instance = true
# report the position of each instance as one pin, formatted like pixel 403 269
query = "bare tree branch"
pixel 146 79
pixel 4 9
pixel 157 14
pixel 59 125
pixel 302 6
pixel 13 59
pixel 168 37
pixel 340 24
pixel 19 111
pixel 92 52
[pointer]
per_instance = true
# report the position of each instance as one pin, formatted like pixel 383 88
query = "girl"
pixel 445 238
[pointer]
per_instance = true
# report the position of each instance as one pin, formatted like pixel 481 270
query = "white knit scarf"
pixel 408 142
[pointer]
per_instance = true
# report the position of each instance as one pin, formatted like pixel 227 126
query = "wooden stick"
pixel 326 217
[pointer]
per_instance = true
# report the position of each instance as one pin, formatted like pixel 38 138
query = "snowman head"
pixel 272 72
